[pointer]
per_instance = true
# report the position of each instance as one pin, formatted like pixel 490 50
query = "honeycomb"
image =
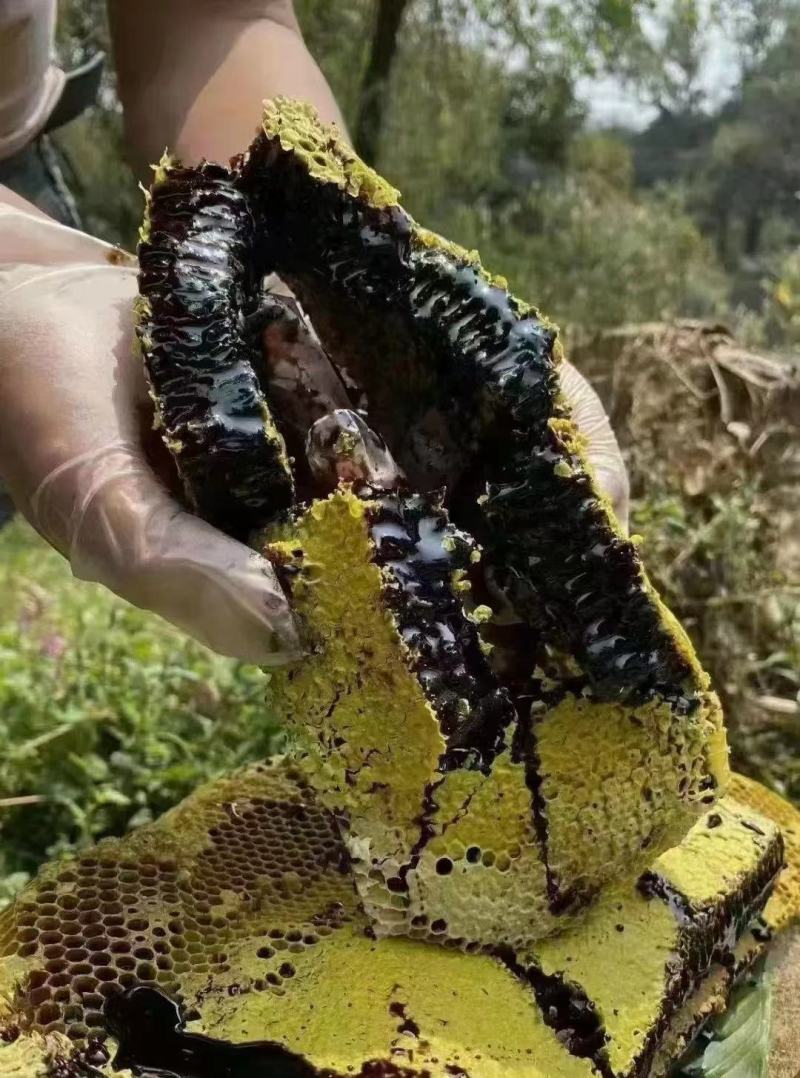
pixel 376 753
pixel 178 904
pixel 711 886
pixel 481 876
pixel 240 906
pixel 467 393
pixel 375 748
pixel 709 1001
pixel 784 903
pixel 195 292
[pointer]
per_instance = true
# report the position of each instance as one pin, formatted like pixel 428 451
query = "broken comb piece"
pixel 621 738
pixel 197 284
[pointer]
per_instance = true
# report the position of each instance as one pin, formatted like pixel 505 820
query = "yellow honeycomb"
pixel 628 953
pixel 240 905
pixel 460 353
pixel 784 906
pixel 171 905
pixel 456 853
pixel 633 788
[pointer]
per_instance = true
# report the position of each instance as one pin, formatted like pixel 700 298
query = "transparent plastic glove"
pixel 75 420
pixel 602 446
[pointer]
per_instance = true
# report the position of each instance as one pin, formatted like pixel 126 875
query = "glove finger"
pixel 124 531
pixel 602 447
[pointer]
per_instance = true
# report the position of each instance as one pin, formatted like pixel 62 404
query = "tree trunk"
pixel 752 236
pixel 372 102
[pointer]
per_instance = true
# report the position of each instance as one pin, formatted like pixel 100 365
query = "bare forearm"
pixel 193 73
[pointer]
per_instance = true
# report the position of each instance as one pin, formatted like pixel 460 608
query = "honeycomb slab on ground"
pixel 240 906
pixel 468 386
pixel 637 960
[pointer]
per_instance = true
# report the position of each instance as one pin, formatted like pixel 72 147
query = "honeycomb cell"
pixel 173 933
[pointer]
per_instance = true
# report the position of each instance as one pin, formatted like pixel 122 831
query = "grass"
pixel 107 715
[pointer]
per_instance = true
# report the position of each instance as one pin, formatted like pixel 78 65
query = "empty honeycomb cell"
pixel 48 1013
pixel 38 995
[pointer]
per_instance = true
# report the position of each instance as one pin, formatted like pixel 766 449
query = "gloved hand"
pixel 75 418
pixel 78 452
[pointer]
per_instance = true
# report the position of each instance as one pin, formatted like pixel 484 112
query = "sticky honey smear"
pixel 620 738
pixel 240 906
pixel 197 285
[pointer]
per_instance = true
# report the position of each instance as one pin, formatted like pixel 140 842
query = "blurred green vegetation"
pixel 477 110
pixel 107 715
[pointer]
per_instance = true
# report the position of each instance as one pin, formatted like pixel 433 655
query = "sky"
pixel 611 103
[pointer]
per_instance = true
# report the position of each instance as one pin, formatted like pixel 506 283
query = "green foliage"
pixel 107 715
pixel 338 37
pixel 737 160
pixel 590 254
pixel 737 1044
